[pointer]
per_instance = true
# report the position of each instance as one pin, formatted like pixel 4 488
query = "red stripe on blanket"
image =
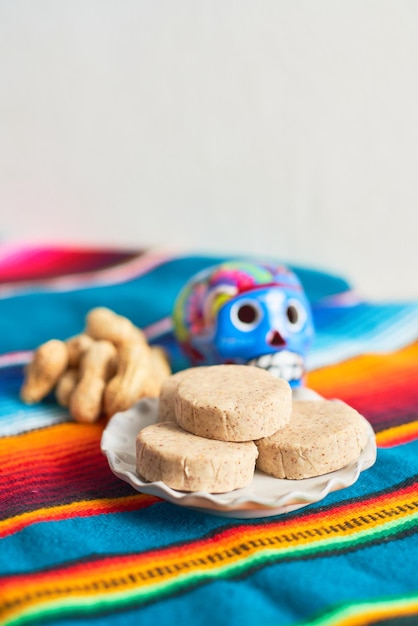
pixel 84 508
pixel 39 263
pixel 51 469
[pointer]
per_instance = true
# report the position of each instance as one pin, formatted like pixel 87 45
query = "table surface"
pixel 80 545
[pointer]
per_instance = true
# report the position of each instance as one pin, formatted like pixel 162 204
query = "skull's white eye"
pixel 295 315
pixel 246 315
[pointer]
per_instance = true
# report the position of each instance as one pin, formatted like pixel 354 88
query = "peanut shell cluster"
pixel 105 369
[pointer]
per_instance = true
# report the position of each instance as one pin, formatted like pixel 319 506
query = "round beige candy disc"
pixel 166 398
pixel 232 402
pixel 188 463
pixel 321 437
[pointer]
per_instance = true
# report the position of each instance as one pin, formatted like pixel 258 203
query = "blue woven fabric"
pixel 78 545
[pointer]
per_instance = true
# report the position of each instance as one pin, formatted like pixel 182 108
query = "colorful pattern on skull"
pixel 245 312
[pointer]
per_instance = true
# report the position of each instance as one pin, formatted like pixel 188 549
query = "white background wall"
pixel 278 127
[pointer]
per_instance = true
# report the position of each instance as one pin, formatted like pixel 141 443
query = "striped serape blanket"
pixel 79 545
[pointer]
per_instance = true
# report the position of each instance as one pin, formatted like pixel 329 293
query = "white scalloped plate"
pixel 265 496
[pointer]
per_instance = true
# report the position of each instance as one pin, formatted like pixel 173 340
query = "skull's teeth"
pixel 284 364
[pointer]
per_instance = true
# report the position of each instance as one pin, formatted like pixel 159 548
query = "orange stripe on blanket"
pixel 49 441
pixel 397 435
pixel 366 372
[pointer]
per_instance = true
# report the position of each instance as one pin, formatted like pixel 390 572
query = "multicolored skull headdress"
pixel 246 313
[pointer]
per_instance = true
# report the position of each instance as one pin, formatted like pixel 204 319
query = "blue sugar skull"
pixel 245 313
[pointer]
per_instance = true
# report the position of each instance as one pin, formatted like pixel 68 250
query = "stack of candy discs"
pixel 216 424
